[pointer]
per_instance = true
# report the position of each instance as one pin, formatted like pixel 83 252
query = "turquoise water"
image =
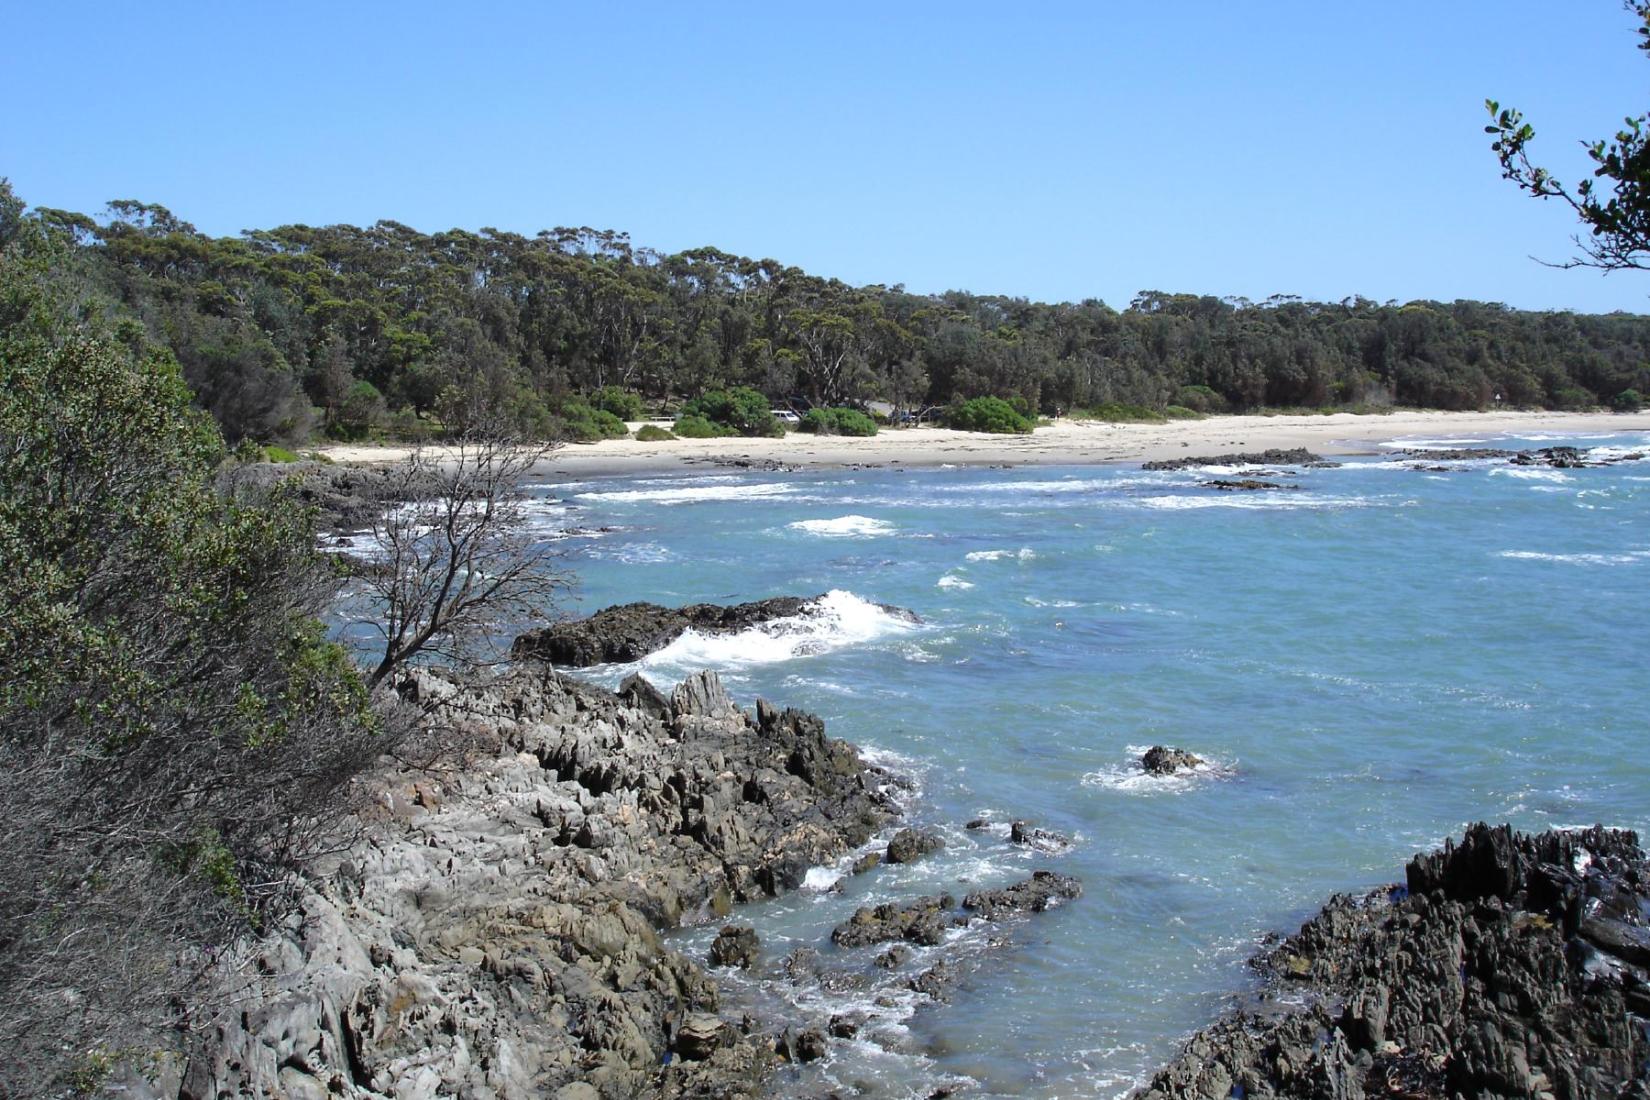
pixel 1369 663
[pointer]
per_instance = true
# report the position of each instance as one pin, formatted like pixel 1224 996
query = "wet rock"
pixel 811 1045
pixel 735 945
pixel 936 981
pixel 629 632
pixel 846 1026
pixel 1244 484
pixel 910 845
pixel 866 862
pixel 1298 456
pixel 894 957
pixel 1034 895
pixel 1047 840
pixel 1161 760
pixel 1504 966
pixel 923 921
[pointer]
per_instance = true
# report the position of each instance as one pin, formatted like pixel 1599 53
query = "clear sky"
pixel 1055 151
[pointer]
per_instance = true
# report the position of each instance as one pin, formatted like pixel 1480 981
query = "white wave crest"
pixel 837 620
pixel 1432 444
pixel 1025 553
pixel 1258 502
pixel 844 527
pixel 1630 557
pixel 1131 778
pixel 1526 474
pixel 951 580
pixel 692 494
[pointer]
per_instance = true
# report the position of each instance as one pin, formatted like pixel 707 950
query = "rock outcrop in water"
pixel 1163 760
pixel 629 632
pixel 1507 966
pixel 495 934
pixel 1298 456
pixel 1559 458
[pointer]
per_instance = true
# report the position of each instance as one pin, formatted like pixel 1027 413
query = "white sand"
pixel 1066 442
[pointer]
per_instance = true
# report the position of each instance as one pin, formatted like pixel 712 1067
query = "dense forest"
pixel 289 333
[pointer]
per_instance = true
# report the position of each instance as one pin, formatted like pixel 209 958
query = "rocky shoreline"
pixel 494 931
pixel 1505 966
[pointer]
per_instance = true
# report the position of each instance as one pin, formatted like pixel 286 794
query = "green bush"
pixel 621 402
pixel 837 422
pixel 742 410
pixel 1200 399
pixel 1627 401
pixel 273 453
pixel 363 409
pixel 988 414
pixel 1181 412
pixel 652 433
pixel 585 424
pixel 694 426
pixel 1573 397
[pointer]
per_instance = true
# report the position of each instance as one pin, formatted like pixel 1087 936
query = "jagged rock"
pixel 923 921
pixel 1160 760
pixel 702 1035
pixel 910 845
pixel 845 1026
pixel 500 939
pixel 894 957
pixel 1298 456
pixel 629 632
pixel 1024 833
pixel 1034 895
pixel 1478 978
pixel 866 862
pixel 735 945
pixel 811 1045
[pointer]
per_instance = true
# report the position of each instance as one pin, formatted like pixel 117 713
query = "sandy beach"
pixel 1065 442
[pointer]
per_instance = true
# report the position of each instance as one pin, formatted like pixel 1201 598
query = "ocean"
pixel 1367 662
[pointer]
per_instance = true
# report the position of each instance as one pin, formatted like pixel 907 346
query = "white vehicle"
pixel 786 416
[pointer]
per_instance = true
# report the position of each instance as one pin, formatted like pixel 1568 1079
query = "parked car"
pixel 786 416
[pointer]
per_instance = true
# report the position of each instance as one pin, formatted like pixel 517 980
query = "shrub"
pixel 1180 412
pixel 363 409
pixel 987 414
pixel 273 453
pixel 586 425
pixel 837 422
pixel 742 410
pixel 652 433
pixel 621 402
pixel 694 426
pixel 1200 399
pixel 1627 401
pixel 1573 397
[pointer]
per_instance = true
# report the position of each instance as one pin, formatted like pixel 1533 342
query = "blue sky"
pixel 1055 151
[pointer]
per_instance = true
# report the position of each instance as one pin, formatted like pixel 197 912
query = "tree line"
pixel 287 333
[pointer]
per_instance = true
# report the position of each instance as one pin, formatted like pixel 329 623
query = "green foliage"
pixel 274 329
pixel 582 423
pixel 1614 205
pixel 694 426
pixel 622 403
pixel 988 414
pixel 742 410
pixel 1573 398
pixel 837 422
pixel 1627 401
pixel 1200 399
pixel 165 681
pixel 1180 412
pixel 652 433
pixel 273 453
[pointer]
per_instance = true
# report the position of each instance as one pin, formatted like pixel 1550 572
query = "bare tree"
pixel 460 552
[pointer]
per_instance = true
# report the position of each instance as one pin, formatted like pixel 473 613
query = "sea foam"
pixel 836 621
pixel 844 527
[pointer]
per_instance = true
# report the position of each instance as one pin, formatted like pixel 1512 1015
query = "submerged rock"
pixel 1162 760
pixel 1034 895
pixel 629 632
pixel 1506 966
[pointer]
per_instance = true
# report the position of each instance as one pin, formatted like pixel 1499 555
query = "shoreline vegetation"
pixel 1060 443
